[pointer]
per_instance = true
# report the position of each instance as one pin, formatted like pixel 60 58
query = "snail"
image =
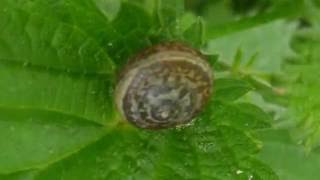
pixel 164 86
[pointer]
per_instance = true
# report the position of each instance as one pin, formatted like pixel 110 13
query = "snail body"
pixel 164 86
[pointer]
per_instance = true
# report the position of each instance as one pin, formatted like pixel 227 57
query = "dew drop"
pixel 239 171
pixel 250 177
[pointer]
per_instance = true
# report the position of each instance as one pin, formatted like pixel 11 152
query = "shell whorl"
pixel 164 86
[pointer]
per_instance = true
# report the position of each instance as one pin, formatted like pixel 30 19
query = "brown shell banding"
pixel 164 86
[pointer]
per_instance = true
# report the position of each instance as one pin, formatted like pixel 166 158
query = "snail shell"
pixel 164 86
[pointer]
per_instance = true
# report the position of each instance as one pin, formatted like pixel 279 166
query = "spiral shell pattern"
pixel 164 86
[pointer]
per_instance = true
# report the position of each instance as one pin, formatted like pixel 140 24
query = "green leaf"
pixel 271 41
pixel 213 61
pixel 304 104
pixel 287 158
pixel 228 89
pixel 190 153
pixel 23 175
pixel 131 39
pixel 40 88
pixel 284 9
pixel 195 34
pixel 269 93
pixel 110 8
pixel 239 115
pixel 32 139
pixel 303 84
pixel 79 14
pixel 237 60
pixel 168 14
pixel 31 39
pixel 61 70
pixel 114 35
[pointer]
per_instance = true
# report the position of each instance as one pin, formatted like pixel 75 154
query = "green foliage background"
pixel 59 61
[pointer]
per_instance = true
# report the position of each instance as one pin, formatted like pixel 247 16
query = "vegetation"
pixel 59 61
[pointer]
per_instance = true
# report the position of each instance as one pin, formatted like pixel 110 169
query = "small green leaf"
pixel 187 20
pixel 195 34
pixel 268 92
pixel 213 61
pixel 168 15
pixel 239 115
pixel 110 8
pixel 271 41
pixel 237 60
pixel 228 89
pixel 252 60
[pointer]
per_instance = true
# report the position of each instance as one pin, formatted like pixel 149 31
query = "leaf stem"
pixel 270 93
